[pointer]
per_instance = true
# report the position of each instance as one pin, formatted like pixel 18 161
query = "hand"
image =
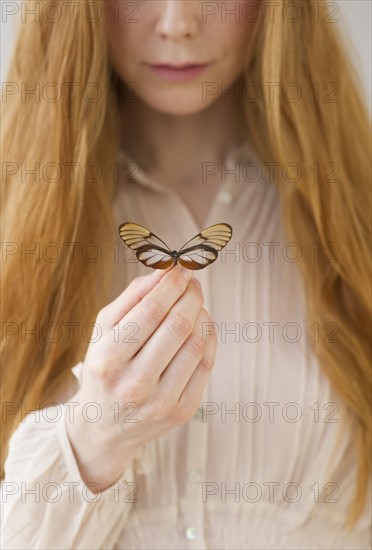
pixel 160 365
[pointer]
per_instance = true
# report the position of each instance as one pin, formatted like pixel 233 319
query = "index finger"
pixel 114 311
pixel 153 308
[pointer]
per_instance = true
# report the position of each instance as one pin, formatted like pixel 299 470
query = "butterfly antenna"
pixel 165 244
pixel 189 241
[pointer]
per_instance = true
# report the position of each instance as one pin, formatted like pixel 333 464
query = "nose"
pixel 179 19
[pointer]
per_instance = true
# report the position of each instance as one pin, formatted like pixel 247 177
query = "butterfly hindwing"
pixel 154 257
pixel 197 257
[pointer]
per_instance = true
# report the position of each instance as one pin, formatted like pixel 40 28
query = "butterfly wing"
pixel 153 256
pixel 135 236
pixel 146 244
pixel 202 250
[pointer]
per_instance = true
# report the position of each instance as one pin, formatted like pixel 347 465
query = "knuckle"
pixel 196 291
pixel 211 331
pixel 212 343
pixel 204 315
pixel 136 388
pixel 183 412
pixel 135 283
pixel 181 324
pixel 102 314
pixel 213 338
pixel 196 345
pixel 203 320
pixel 177 285
pixel 177 281
pixel 161 409
pixel 151 311
pixel 102 371
pixel 97 368
pixel 207 362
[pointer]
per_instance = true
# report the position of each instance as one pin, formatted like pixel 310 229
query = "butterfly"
pixel 197 253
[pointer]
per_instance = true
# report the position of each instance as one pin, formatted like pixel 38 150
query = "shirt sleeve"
pixel 45 502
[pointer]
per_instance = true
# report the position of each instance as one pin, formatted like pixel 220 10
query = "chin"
pixel 177 104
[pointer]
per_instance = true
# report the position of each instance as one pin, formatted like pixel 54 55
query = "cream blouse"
pixel 265 463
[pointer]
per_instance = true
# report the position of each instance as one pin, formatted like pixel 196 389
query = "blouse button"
pixel 224 197
pixel 199 414
pixel 191 532
pixel 194 476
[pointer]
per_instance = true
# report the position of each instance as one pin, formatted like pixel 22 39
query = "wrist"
pixel 98 458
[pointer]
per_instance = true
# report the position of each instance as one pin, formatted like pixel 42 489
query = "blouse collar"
pixel 136 174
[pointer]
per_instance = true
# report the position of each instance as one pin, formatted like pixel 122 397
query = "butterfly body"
pixel 202 250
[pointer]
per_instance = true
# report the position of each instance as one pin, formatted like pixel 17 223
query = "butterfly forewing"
pixel 135 236
pixel 216 237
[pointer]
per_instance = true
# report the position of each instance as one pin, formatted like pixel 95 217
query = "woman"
pixel 230 409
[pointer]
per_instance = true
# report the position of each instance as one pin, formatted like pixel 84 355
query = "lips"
pixel 177 67
pixel 177 72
